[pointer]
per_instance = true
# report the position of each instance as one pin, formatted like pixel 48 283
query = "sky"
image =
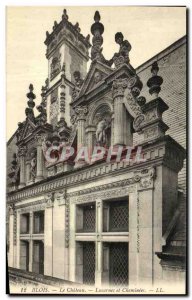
pixel 148 29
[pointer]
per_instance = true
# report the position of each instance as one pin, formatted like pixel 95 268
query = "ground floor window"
pixel 24 255
pixel 118 264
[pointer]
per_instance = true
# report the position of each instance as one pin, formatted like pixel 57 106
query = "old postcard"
pixel 96 150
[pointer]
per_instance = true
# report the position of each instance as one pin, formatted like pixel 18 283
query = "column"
pixel 11 237
pixel 40 158
pixel 90 130
pixel 98 246
pixel 59 258
pixel 81 118
pixel 72 243
pixel 119 86
pixel 28 166
pixel 31 242
pixel 145 230
pixel 133 254
pixel 48 236
pixel 22 153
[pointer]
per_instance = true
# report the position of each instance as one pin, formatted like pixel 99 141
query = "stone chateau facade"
pixel 101 223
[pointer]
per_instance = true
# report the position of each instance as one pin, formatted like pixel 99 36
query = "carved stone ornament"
pixel 60 196
pixel 22 151
pixel 147 177
pixel 81 112
pixel 124 48
pixel 119 86
pixel 49 198
pixel 11 209
pixel 55 65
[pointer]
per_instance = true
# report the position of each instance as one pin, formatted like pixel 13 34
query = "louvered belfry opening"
pixel 118 257
pixel 89 263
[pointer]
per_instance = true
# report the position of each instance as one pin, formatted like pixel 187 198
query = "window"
pixel 38 222
pixel 24 223
pixel 115 216
pixel 86 218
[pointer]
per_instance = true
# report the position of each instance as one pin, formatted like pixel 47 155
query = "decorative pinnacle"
pixel 31 95
pixel 65 16
pixel 154 69
pixel 97 16
pixel 97 26
pixel 154 83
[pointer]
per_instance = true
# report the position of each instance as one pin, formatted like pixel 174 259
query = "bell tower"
pixel 67 53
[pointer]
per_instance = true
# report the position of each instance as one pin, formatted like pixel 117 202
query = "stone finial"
pixel 87 38
pixel 29 110
pixel 55 25
pixel 154 83
pixel 97 30
pixel 64 15
pixel 77 27
pixel 47 34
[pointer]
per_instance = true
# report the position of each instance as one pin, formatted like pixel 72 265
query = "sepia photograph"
pixel 96 139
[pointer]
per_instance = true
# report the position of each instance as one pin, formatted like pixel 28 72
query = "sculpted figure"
pixel 101 131
pixel 33 165
pixel 124 46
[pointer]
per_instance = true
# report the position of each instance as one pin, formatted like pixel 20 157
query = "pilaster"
pixel 119 87
pixel 11 236
pixel 22 154
pixel 40 158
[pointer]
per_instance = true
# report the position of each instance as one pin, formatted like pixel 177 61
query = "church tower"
pixel 67 54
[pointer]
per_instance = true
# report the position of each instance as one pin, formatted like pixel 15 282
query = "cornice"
pixel 167 152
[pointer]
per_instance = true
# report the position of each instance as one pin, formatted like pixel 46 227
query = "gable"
pixel 97 73
pixel 28 129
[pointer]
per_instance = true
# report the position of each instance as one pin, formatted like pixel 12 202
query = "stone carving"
pixel 11 208
pixel 101 136
pixel 155 82
pixel 97 30
pixel 138 228
pixel 78 83
pixel 67 220
pixel 65 15
pixel 22 151
pixel 60 196
pixel 115 193
pixel 29 110
pixel 78 79
pixel 41 119
pixel 119 86
pixel 124 48
pixel 33 165
pixel 54 95
pixel 147 177
pixel 81 112
pixel 19 131
pixel 14 171
pixel 49 199
pixel 97 77
pixel 54 109
pixel 55 65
